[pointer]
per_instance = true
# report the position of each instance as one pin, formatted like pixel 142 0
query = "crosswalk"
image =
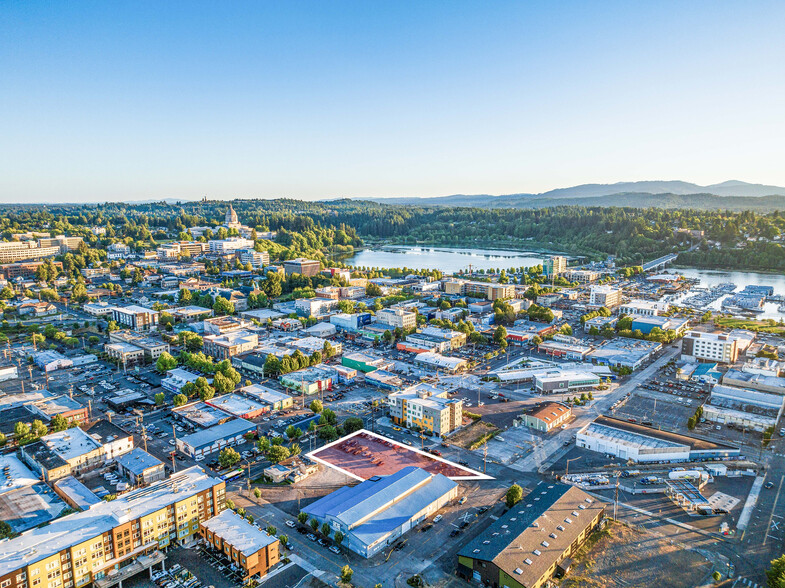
pixel 741 581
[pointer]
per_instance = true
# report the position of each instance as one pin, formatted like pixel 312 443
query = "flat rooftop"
pixel 201 413
pixel 217 432
pixel 658 438
pixel 70 443
pixel 264 394
pixel 235 404
pixel 14 474
pixel 363 455
pixel 137 461
pixel 239 533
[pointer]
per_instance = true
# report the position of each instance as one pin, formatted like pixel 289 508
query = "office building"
pixel 215 438
pixel 271 399
pixel 375 513
pixel 606 296
pixel 582 276
pixel 316 307
pixel 152 347
pixel 124 353
pixel 9 271
pixel 624 352
pixel 426 407
pixel 114 440
pixel 643 308
pixel 238 406
pixel 66 453
pixel 438 361
pixel 230 344
pixel 534 540
pixel 397 317
pixel 365 363
pixel 562 381
pixel 302 266
pixel 140 468
pixel 230 245
pixel 249 548
pixel 312 380
pixel 221 325
pixel 257 259
pixel 135 317
pixel 86 547
pixel 488 290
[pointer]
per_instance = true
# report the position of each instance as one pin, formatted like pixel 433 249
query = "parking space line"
pixel 773 508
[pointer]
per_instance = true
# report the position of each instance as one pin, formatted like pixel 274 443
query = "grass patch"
pixel 472 415
pixel 765 326
pixel 483 438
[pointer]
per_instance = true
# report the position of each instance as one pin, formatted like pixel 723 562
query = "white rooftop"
pixel 239 533
pixel 14 474
pixel 70 443
pixel 235 404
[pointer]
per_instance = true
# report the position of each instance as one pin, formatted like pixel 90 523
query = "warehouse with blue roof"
pixel 377 512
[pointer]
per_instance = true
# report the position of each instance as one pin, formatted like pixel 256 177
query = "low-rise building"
pixel 98 308
pixel 272 399
pixel 384 380
pixel 65 406
pixel 365 363
pixel 546 416
pixel 563 381
pixel 606 296
pixel 177 378
pixel 302 266
pixel 717 347
pixel 114 440
pixel 230 344
pixel 152 346
pixel 190 314
pixel 377 512
pixel 200 414
pixel 136 317
pixel 647 324
pixel 238 406
pixel 75 494
pixel 623 352
pixel 643 308
pixel 440 362
pixel 397 317
pixel 222 325
pixel 488 290
pixel 250 549
pixel 125 353
pixel 312 380
pixel 755 381
pixel 315 307
pixel 141 468
pixel 533 541
pixel 50 361
pixel 65 453
pixel 566 350
pixel 747 409
pixel 215 438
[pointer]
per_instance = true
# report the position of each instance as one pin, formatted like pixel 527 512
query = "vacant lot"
pixel 471 434
pixel 621 557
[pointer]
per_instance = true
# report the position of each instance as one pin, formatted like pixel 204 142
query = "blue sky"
pixel 136 100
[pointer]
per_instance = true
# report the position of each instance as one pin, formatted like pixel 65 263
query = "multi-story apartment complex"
pixel 554 265
pixel 179 249
pixel 18 250
pixel 488 290
pixel 85 547
pixel 230 245
pixel 606 296
pixel 717 347
pixel 397 317
pixel 302 266
pixel 426 407
pixel 135 317
pixel 257 259
pixel 582 276
pixel 228 345
pixel 252 550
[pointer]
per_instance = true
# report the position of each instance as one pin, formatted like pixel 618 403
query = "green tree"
pixel 228 457
pixel 277 453
pixel 271 530
pixel 316 406
pixel 302 517
pixel 203 388
pixel 346 574
pixel 325 529
pixel 222 384
pixel 775 575
pixel 159 399
pixel 3 440
pixel 58 423
pixel 165 363
pixel 38 429
pixel 5 530
pixel 222 306
pixel 263 444
pixel 293 432
pixel 513 495
pixel 338 537
pixel 314 524
pixel 284 539
pixel 352 424
pixel 257 493
pixel 179 400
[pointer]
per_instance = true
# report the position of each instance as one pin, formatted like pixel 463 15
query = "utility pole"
pixel 144 432
pixel 616 496
pixel 90 409
pixel 484 455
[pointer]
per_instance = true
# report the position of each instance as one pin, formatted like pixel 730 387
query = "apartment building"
pixel 487 290
pixel 11 251
pixel 717 347
pixel 61 454
pixel 65 244
pixel 606 296
pixel 582 276
pixel 426 407
pixel 82 548
pixel 257 259
pixel 397 317
pixel 252 550
pixel 554 265
pixel 230 245
pixel 23 270
pixel 135 317
pixel 302 266
pixel 228 345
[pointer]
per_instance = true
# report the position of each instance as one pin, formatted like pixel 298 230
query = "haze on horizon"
pixel 315 100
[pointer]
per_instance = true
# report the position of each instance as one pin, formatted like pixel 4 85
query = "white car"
pixel 199 458
pixel 437 518
pixel 290 524
pixel 171 442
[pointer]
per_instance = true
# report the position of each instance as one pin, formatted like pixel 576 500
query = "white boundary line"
pixel 477 475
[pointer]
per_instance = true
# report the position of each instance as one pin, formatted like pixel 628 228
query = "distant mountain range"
pixel 732 194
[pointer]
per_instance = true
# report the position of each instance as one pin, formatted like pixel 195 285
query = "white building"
pixel 643 308
pixel 606 296
pixel 717 347
pixel 397 317
pixel 230 245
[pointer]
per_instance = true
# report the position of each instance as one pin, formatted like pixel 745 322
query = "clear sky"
pixel 136 100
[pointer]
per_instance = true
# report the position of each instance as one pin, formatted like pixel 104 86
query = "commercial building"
pixel 420 343
pixel 488 290
pixel 65 453
pixel 606 296
pixel 567 350
pixel 124 353
pixel 238 406
pixel 384 380
pixel 302 266
pixel 140 468
pixel 50 361
pixel 561 381
pixel 643 308
pixel 582 276
pixel 456 339
pixel 261 314
pixel 375 513
pixel 756 381
pixel 600 323
pixel 312 380
pixel 98 308
pixel 177 378
pixel 230 245
pixel 646 324
pixel 747 409
pixel 114 440
pixel 135 317
pixel 257 259
pixel 624 352
pixel 271 399
pixel 75 494
pixel 309 345
pixel 152 347
pixel 86 547
pixel 215 438
pixel 554 265
pixel 365 363
pixel 717 347
pixel 643 444
pixel 10 372
pixel 532 541
pixel 397 317
pixel 249 548
pixel 230 344
pixel 200 415
pixel 350 322
pixel 189 314
pixel 9 271
pixel 546 416
pixel 427 408
pixel 222 325
pixel 11 251
pixel 308 307
pixel 440 362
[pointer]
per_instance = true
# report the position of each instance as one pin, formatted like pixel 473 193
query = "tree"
pixel 228 457
pixel 58 423
pixel 775 575
pixel 165 363
pixel 283 538
pixel 314 524
pixel 500 335
pixel 352 424
pixel 338 537
pixel 514 495
pixel 159 399
pixel 277 453
pixel 271 530
pixel 536 340
pixel 295 449
pixel 92 340
pixel 5 530
pixel 203 388
pixel 328 433
pixel 387 336
pixel 263 444
pixel 328 417
pixel 222 306
pixel 302 517
pixel 179 400
pixel 222 384
pixel 346 574
pixel 3 440
pixel 38 429
pixel 373 290
pixel 325 529
pixel 316 406
pixel 257 493
pixel 293 432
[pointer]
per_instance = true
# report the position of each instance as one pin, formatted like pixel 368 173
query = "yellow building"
pixel 426 407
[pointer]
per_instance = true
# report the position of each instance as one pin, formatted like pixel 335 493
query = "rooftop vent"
pixel 537 552
pixel 545 544
pixel 568 521
pixel 527 561
pixel 518 571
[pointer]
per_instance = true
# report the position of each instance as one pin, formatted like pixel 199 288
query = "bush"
pixel 513 496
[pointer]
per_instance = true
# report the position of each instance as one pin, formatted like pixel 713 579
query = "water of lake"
pixel 446 259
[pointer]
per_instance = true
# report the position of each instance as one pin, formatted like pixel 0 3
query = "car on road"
pixel 437 518
pixel 463 462
pixel 768 485
pixel 334 549
pixel 462 500
pixel 455 533
pixel 322 542
pixel 290 524
pixel 311 537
